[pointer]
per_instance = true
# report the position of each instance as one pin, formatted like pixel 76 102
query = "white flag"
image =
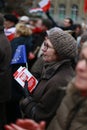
pixel 45 5
pixel 34 10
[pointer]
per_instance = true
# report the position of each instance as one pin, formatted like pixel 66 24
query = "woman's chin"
pixel 80 85
pixel 45 59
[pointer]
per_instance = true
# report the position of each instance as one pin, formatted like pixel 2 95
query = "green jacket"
pixel 72 113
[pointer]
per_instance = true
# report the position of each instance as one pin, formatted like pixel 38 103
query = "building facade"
pixel 67 8
pixel 59 8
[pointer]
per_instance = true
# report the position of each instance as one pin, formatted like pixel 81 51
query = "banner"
pixel 22 75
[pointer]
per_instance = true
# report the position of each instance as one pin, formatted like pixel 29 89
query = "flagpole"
pixel 26 65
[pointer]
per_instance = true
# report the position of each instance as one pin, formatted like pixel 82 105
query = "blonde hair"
pixel 23 30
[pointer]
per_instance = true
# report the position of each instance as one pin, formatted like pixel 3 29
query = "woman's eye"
pixel 82 58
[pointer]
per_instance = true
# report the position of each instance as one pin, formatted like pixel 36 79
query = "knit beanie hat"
pixel 64 44
pixel 11 17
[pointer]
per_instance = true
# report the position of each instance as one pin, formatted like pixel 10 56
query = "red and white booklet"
pixel 22 75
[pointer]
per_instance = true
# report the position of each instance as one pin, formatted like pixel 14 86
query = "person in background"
pixel 22 37
pixel 39 33
pixel 83 38
pixel 67 23
pixel 58 51
pixel 72 113
pixel 24 19
pixel 43 25
pixel 9 25
pixel 5 73
pixel 77 32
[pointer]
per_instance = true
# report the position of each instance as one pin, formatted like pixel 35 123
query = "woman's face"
pixel 49 53
pixel 81 71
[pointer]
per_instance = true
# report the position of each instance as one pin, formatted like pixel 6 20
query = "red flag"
pixel 85 6
pixel 45 5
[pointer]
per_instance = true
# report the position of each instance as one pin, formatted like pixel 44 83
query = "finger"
pixel 42 125
pixel 16 127
pixel 8 127
pixel 28 124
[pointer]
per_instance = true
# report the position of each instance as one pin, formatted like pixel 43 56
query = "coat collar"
pixel 50 69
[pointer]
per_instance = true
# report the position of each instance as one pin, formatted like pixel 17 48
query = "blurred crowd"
pixel 57 57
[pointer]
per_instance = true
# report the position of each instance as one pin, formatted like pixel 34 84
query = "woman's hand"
pixel 26 124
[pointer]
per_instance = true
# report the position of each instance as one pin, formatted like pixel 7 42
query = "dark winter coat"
pixel 5 73
pixel 17 92
pixel 37 68
pixel 13 109
pixel 72 113
pixel 49 92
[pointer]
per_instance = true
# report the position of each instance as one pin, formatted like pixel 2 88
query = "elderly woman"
pixel 72 113
pixel 58 51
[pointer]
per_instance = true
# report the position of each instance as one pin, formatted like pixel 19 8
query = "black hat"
pixel 11 18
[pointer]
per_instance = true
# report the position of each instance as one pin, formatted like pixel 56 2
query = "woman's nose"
pixel 44 49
